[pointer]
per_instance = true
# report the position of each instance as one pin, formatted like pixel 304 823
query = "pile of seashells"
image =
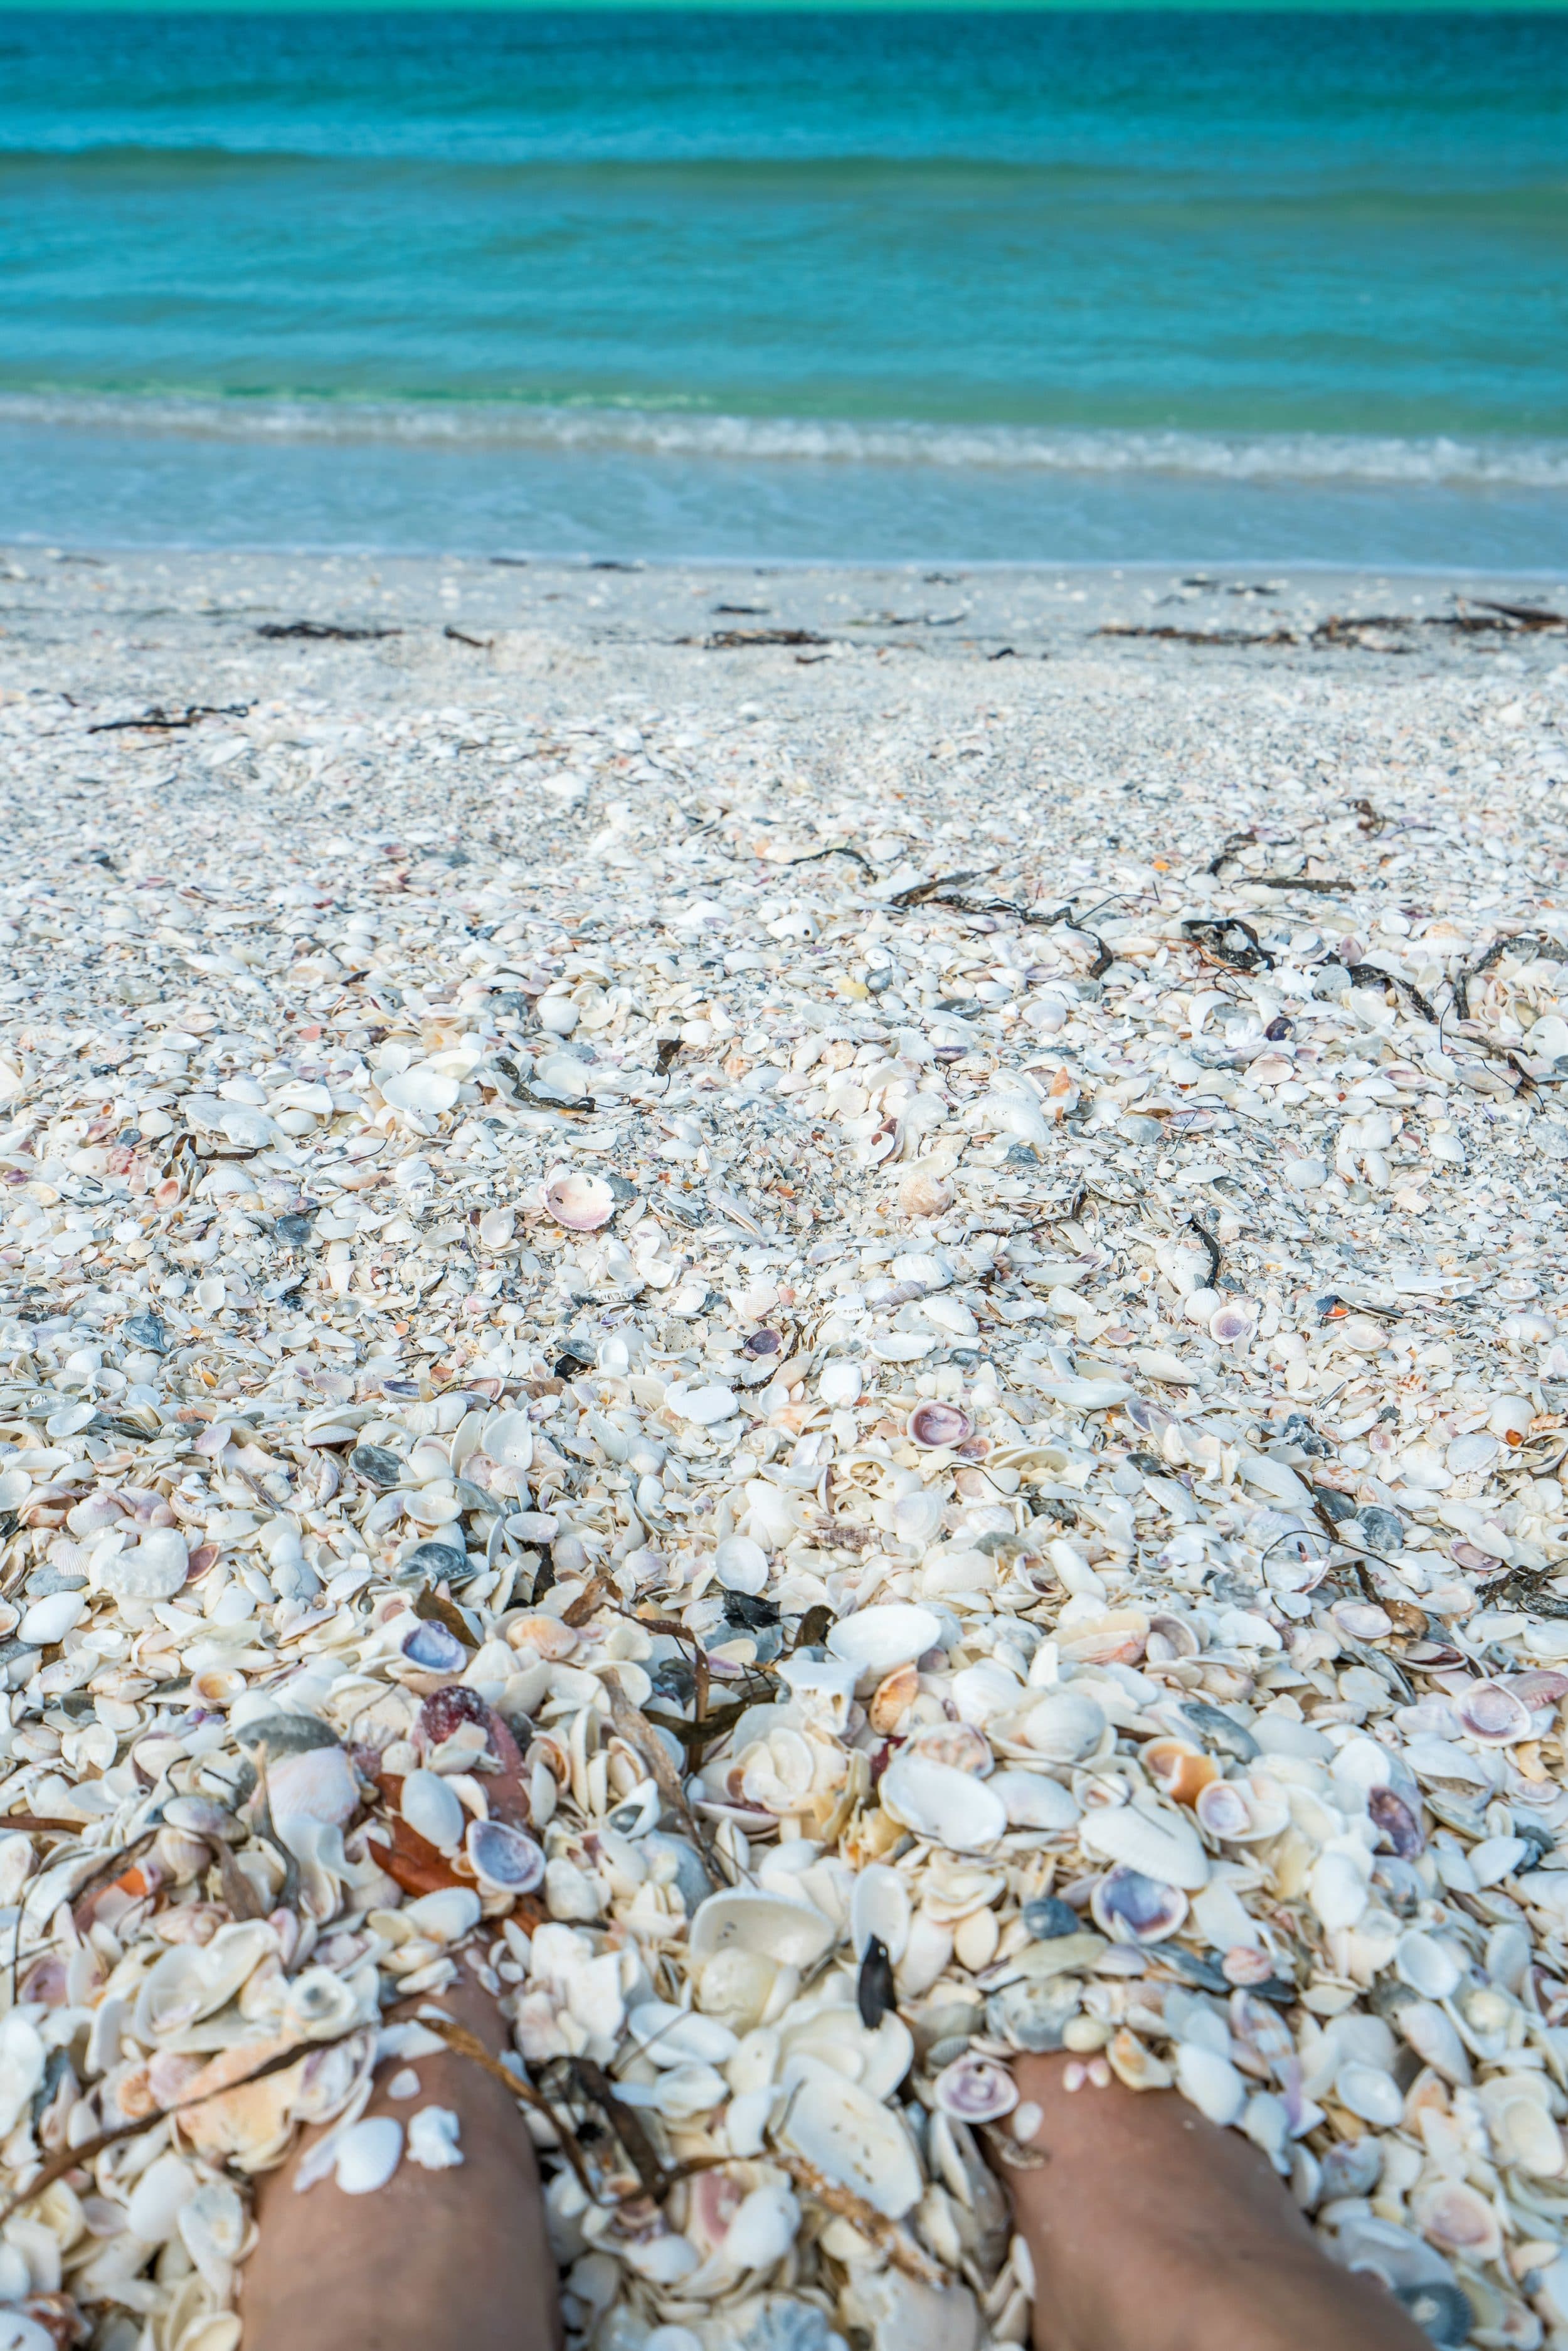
pixel 819 1518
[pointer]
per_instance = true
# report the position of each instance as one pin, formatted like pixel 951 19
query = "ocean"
pixel 926 286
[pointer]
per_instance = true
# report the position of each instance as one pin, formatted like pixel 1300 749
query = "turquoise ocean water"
pixel 1055 286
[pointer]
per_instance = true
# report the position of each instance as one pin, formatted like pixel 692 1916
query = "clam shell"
pixel 1160 1843
pixel 949 1807
pixel 1492 1715
pixel 880 1907
pixel 504 1860
pixel 879 1639
pixel 580 1202
pixel 938 1424
pixel 1035 1802
pixel 1066 1727
pixel 1133 1908
pixel 1211 2082
pixel 434 1810
pixel 738 1920
pixel 854 2142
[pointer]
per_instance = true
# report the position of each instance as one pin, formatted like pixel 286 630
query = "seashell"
pixel 1132 1908
pixel 1459 2219
pixel 880 1906
pixel 923 1193
pixel 1170 1636
pixel 504 1860
pixel 509 1440
pixel 1179 1770
pixel 1396 1824
pixel 1035 1802
pixel 445 1915
pixel 1434 2038
pixel 1337 1890
pixel 316 1784
pixel 1158 1842
pixel 1466 1456
pixel 368 2154
pixel 580 1202
pixel 947 1806
pixel 1442 2311
pixel 1524 2134
pixel 1048 1916
pixel 432 2135
pixel 878 1640
pixel 1243 1812
pixel 976 2090
pixel 790 1933
pixel 1210 2082
pixel 1539 1687
pixel 1428 1965
pixel 1220 1733
pixel 1369 2091
pixel 938 1424
pixel 1492 1714
pixel 1233 1324
pixel 432 1647
pixel 840 1382
pixel 855 2143
pixel 1066 1727
pixel 956 1744
pixel 155 1568
pixel 432 1811
pixel 893 1698
pixel 740 1564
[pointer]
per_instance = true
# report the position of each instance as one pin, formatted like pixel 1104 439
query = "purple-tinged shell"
pixel 1133 1908
pixel 504 1860
pixel 1393 1819
pixel 975 2090
pixel 433 1649
pixel 936 1425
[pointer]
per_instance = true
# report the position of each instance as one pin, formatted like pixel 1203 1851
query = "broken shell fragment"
pixel 880 1638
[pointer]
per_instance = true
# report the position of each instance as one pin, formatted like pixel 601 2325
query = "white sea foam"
pixel 1309 457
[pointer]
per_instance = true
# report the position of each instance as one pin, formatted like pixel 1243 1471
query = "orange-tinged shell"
pixel 892 1698
pixel 1180 1771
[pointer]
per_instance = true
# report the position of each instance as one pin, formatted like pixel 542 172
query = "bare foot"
pixel 1152 2230
pixel 434 2258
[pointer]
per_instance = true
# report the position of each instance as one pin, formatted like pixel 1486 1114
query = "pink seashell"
pixel 579 1201
pixel 939 1424
pixel 1539 1687
pixel 1492 1714
pixel 976 2090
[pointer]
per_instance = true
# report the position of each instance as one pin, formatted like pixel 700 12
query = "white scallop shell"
pixel 950 1807
pixel 368 2154
pixel 740 1564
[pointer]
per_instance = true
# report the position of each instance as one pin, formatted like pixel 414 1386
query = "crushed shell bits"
pixel 817 1535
